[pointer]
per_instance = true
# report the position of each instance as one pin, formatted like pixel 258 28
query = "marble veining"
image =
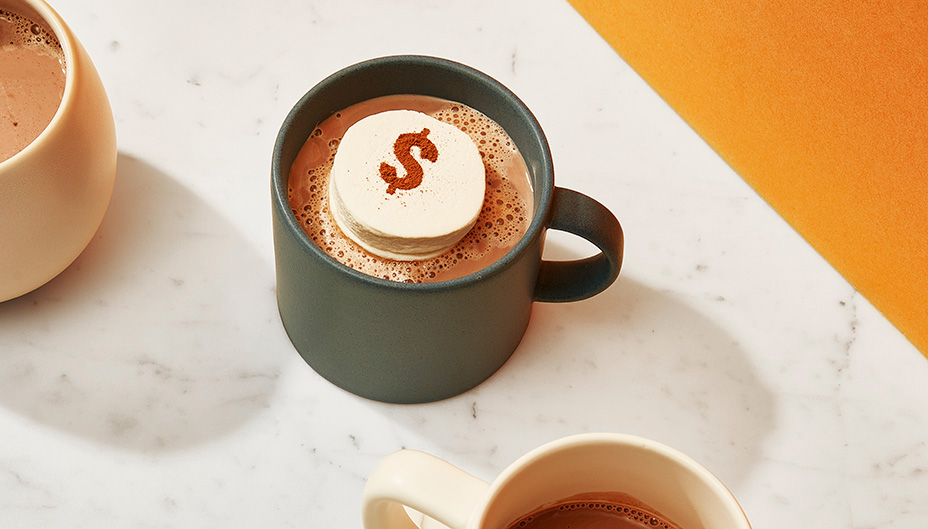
pixel 152 385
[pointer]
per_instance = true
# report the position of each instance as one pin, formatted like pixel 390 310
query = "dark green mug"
pixel 421 342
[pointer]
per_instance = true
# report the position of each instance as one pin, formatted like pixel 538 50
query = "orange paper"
pixel 822 107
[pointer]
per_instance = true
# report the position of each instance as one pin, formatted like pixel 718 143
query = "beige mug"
pixel 54 192
pixel 590 466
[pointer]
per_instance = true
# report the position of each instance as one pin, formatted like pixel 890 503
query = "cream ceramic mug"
pixel 54 192
pixel 590 465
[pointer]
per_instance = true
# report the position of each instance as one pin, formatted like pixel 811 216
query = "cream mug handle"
pixel 422 482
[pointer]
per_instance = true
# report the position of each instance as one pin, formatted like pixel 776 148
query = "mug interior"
pixel 662 478
pixel 417 75
pixel 42 14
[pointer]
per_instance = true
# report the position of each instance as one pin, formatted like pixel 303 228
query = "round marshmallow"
pixel 405 185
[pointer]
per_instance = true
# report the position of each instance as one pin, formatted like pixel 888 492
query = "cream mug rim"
pixel 511 471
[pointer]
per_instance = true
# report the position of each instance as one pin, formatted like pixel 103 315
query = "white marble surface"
pixel 151 385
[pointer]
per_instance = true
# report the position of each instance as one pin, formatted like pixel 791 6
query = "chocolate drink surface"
pixel 32 79
pixel 619 511
pixel 505 216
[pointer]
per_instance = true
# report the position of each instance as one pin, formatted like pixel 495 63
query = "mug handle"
pixel 423 482
pixel 560 281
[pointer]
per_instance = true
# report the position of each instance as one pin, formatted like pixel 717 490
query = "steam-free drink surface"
pixel 505 216
pixel 32 79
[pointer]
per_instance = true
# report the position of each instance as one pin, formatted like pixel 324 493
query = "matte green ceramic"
pixel 407 342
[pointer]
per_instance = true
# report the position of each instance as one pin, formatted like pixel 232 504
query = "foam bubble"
pixel 20 31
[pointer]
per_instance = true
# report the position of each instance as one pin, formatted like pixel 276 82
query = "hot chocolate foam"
pixel 504 215
pixel 32 81
pixel 595 514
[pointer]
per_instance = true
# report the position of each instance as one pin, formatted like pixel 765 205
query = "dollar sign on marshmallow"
pixel 405 185
pixel 402 148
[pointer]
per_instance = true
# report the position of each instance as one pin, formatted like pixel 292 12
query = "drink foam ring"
pixel 406 186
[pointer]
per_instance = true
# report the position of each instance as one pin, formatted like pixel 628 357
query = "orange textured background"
pixel 822 107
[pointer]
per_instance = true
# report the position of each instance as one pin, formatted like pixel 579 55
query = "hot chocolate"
pixel 32 81
pixel 613 511
pixel 503 219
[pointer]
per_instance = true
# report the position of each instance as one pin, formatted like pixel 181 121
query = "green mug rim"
pixel 543 193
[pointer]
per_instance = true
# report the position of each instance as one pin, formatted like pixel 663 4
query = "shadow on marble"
pixel 632 360
pixel 141 343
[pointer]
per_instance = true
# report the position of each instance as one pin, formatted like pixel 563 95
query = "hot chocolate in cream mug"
pixel 54 192
pixel 420 342
pixel 635 482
